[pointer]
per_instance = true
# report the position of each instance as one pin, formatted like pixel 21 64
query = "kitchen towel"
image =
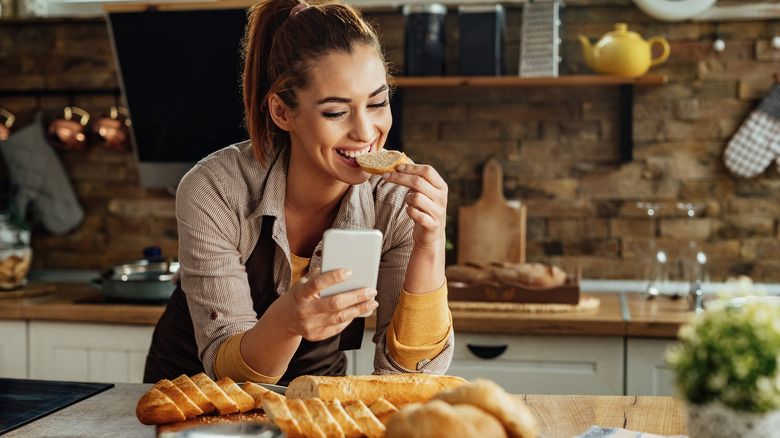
pixel 615 432
pixel 43 184
pixel 757 142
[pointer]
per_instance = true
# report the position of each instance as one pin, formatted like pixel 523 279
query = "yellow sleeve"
pixel 230 363
pixel 420 327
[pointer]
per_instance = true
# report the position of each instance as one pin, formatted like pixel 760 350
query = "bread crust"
pixel 398 389
pixel 491 398
pixel 438 419
pixel 379 162
pixel 154 407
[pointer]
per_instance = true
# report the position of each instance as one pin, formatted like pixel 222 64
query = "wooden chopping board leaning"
pixel 492 229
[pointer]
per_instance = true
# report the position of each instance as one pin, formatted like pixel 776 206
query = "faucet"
pixel 696 297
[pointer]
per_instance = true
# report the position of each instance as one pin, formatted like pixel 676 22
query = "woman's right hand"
pixel 315 318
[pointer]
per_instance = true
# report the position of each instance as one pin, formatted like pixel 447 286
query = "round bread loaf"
pixel 437 419
pixel 490 397
pixel 379 162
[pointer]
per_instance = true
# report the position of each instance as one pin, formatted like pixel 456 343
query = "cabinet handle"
pixel 486 351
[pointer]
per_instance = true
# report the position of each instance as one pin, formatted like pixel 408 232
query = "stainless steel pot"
pixel 139 281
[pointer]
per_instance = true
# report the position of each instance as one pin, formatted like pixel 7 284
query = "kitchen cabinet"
pixel 88 352
pixel 522 364
pixel 646 369
pixel 625 99
pixel 13 349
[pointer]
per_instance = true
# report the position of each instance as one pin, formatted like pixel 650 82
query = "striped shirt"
pixel 220 204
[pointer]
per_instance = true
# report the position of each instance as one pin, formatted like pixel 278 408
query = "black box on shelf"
pixel 481 40
pixel 424 39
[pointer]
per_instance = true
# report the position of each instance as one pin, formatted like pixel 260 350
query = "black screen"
pixel 180 74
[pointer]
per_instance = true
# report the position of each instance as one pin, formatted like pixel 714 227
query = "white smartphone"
pixel 359 250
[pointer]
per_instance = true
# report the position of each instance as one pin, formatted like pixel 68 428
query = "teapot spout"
pixel 587 51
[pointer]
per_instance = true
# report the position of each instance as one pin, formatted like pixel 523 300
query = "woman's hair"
pixel 279 49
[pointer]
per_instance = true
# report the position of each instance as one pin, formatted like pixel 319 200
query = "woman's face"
pixel 344 112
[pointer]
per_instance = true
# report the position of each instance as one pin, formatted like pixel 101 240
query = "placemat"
pixel 31 289
pixel 586 303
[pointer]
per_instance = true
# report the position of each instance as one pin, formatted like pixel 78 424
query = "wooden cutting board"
pixel 493 229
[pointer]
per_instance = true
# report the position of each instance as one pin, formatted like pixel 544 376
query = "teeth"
pixel 353 154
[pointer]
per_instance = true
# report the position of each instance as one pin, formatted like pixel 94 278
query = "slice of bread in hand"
pixel 382 161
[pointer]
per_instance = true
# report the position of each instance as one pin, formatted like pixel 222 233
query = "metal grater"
pixel 540 40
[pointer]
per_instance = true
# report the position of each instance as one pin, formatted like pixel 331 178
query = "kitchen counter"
pixel 112 413
pixel 619 314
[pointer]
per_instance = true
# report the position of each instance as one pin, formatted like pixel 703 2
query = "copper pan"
pixel 113 131
pixel 67 133
pixel 5 127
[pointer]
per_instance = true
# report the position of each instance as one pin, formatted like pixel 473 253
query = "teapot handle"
pixel 664 55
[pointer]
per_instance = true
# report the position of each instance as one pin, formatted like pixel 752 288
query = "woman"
pixel 251 218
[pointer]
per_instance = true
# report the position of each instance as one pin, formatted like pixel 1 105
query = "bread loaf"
pixel 398 389
pixel 379 162
pixel 437 419
pixel 539 275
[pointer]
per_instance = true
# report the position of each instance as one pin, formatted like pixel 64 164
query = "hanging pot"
pixel 138 281
pixel 113 131
pixel 5 126
pixel 69 133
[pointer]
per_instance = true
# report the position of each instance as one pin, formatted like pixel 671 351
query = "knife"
pixel 279 389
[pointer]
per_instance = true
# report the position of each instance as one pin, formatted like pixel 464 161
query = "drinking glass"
pixel 654 262
pixel 694 268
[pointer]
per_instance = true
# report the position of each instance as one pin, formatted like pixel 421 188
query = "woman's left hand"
pixel 426 203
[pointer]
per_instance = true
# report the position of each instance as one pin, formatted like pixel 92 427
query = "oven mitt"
pixel 42 182
pixel 757 142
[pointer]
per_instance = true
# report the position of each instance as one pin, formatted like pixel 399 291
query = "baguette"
pixel 275 407
pixel 365 419
pixel 155 408
pixel 383 410
pixel 379 162
pixel 301 414
pixel 191 390
pixel 225 405
pixel 398 389
pixel 322 416
pixel 243 401
pixel 177 396
pixel 347 424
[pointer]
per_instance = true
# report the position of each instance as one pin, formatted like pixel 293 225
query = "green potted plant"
pixel 727 365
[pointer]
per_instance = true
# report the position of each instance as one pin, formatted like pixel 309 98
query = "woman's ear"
pixel 280 113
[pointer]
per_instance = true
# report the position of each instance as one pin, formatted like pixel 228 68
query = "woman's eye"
pixel 334 115
pixel 381 104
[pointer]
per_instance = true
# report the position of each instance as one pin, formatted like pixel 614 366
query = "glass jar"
pixel 15 255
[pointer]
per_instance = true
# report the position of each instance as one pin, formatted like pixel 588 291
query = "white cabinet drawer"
pixel 542 364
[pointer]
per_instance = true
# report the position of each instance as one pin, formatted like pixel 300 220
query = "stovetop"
pixel 23 401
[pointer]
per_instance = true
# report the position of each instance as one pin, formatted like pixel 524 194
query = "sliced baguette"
pixel 188 408
pixel 244 401
pixel 398 389
pixel 224 404
pixel 379 162
pixel 383 410
pixel 155 407
pixel 275 407
pixel 322 416
pixel 368 423
pixel 255 391
pixel 301 414
pixel 191 390
pixel 347 424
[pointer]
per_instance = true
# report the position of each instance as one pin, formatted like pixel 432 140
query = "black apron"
pixel 174 352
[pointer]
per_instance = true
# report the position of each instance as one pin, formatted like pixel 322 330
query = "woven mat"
pixel 31 289
pixel 586 303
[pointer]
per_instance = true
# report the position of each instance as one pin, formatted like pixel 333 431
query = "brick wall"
pixel 558 145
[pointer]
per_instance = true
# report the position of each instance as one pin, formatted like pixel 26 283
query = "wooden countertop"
pixel 619 314
pixel 112 413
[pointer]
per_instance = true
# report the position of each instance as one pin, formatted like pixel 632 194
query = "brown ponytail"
pixel 279 48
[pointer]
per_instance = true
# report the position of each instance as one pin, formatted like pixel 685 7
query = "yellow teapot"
pixel 622 52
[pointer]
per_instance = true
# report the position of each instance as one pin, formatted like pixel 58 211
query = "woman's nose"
pixel 362 126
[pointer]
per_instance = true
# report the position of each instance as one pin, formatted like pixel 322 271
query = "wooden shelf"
pixel 517 81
